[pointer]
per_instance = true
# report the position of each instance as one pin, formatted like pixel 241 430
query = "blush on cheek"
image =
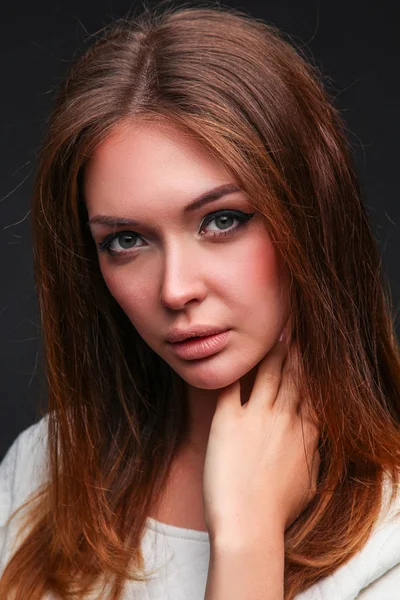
pixel 262 267
pixel 261 274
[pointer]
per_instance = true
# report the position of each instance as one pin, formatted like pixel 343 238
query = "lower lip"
pixel 200 347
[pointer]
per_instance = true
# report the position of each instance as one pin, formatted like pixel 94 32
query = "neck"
pixel 202 404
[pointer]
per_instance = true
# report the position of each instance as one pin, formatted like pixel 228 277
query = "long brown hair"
pixel 117 411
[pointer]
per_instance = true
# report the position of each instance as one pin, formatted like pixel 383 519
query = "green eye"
pixel 223 217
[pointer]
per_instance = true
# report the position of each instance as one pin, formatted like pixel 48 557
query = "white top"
pixel 180 556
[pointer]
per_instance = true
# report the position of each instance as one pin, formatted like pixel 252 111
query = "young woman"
pixel 195 181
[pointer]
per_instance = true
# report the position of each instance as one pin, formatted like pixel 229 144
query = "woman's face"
pixel 176 268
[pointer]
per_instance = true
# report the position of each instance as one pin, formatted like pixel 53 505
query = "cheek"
pixel 243 275
pixel 263 270
pixel 128 290
pixel 257 273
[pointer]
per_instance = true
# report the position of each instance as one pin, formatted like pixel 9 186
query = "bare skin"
pixel 262 458
pixel 179 271
pixel 243 476
pixel 183 503
pixel 260 474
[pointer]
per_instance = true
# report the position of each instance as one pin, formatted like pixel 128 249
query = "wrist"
pixel 240 536
pixel 242 567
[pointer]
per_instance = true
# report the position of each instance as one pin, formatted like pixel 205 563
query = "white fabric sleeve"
pixel 387 587
pixel 8 469
pixel 22 471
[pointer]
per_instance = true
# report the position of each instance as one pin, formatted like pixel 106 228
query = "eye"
pixel 129 238
pixel 223 220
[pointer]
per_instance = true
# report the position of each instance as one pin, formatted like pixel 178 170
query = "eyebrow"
pixel 209 196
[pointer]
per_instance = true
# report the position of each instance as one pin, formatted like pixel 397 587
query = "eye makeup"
pixel 241 217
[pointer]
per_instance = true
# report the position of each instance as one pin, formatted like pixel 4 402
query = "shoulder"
pixel 22 471
pixel 23 468
pixel 374 572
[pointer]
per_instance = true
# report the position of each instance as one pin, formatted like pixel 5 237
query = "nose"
pixel 182 278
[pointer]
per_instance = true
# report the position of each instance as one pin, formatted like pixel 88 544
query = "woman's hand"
pixel 262 460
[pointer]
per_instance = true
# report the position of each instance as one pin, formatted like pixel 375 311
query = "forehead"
pixel 139 165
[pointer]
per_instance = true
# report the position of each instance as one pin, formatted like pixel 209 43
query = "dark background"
pixel 355 43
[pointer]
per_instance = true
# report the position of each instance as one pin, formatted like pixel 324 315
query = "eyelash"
pixel 243 218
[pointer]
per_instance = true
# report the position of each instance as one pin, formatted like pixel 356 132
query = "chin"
pixel 210 385
pixel 212 377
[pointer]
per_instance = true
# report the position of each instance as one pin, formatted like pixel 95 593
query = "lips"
pixel 200 331
pixel 201 347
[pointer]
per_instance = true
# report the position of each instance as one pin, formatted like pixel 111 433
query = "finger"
pixel 310 434
pixel 268 377
pixel 313 464
pixel 311 489
pixel 288 396
pixel 316 463
pixel 286 333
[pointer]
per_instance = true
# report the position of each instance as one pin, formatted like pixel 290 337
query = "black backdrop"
pixel 355 43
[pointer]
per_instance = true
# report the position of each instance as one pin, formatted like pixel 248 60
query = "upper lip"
pixel 178 335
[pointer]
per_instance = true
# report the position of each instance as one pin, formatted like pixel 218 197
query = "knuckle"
pixel 271 378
